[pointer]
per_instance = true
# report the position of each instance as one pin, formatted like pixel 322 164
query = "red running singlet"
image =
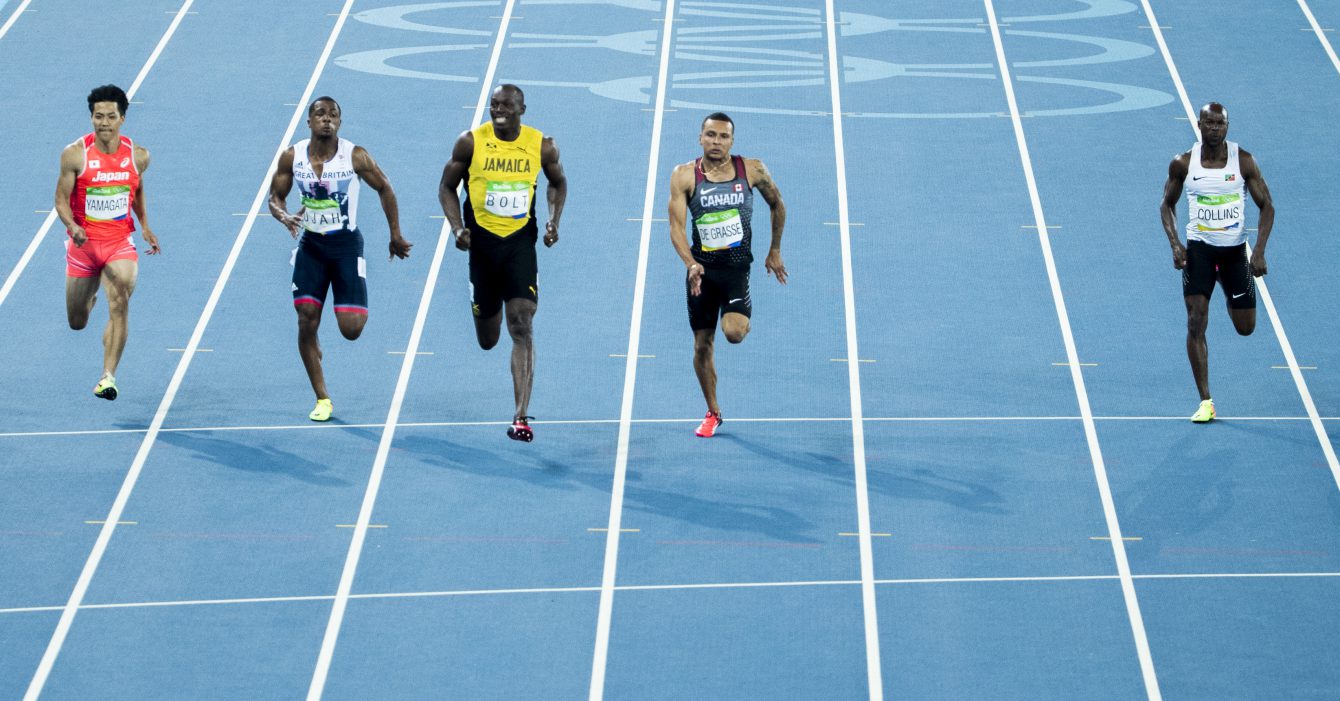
pixel 104 192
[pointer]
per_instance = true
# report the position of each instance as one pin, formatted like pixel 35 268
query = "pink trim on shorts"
pixel 351 309
pixel 306 299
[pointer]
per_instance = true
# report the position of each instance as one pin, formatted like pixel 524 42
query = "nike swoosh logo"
pixel 709 190
pixel 737 299
pixel 1239 295
pixel 1199 177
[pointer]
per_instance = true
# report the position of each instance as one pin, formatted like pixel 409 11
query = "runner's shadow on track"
pixel 259 459
pixel 831 467
pixel 459 457
pixel 927 484
pixel 766 521
pixel 1191 489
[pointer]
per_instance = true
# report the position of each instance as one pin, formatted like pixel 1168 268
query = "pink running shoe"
pixel 520 430
pixel 708 427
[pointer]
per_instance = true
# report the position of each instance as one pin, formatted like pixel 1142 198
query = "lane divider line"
pixel 132 476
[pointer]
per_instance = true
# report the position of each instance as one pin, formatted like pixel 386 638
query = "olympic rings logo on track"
pixel 778 52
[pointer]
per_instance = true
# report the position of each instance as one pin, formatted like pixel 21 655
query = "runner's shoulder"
pixel 72 156
pixel 141 157
pixel 1180 164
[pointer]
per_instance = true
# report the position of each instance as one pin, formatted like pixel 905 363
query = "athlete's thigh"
pixel 311 278
pixel 734 283
pixel 1199 274
pixel 349 280
pixel 486 299
pixel 519 274
pixel 79 290
pixel 120 275
pixel 1235 275
pixel 705 306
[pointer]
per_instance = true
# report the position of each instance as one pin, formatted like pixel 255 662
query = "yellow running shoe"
pixel 1205 413
pixel 322 411
pixel 106 388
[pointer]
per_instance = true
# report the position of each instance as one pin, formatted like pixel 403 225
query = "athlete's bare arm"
pixel 681 189
pixel 1256 185
pixel 557 192
pixel 141 205
pixel 760 178
pixel 372 174
pixel 452 175
pixel 71 162
pixel 1172 191
pixel 280 185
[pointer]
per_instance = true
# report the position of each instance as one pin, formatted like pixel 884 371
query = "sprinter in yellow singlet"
pixel 503 159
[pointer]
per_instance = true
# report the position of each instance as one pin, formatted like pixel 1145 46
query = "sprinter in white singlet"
pixel 1216 175
pixel 329 256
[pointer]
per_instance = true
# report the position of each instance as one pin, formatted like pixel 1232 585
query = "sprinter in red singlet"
pixel 100 185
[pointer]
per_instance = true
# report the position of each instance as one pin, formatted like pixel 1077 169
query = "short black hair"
pixel 108 93
pixel 719 117
pixel 511 88
pixel 324 98
pixel 1212 107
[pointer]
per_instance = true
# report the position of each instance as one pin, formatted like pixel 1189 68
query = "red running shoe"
pixel 708 427
pixel 520 430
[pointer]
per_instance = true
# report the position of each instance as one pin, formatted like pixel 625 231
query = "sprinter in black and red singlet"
pixel 101 183
pixel 716 190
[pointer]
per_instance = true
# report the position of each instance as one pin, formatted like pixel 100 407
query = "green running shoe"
pixel 1205 413
pixel 322 411
pixel 106 388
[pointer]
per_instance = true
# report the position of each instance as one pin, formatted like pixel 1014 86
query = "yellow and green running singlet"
pixel 502 178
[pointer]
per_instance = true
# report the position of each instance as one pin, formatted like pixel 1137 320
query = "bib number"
pixel 321 216
pixel 507 199
pixel 107 203
pixel 718 230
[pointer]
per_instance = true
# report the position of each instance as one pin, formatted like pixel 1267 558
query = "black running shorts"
pixel 1228 264
pixel 331 262
pixel 502 269
pixel 724 290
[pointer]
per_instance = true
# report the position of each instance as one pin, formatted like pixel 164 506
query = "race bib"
pixel 107 203
pixel 718 230
pixel 321 216
pixel 509 199
pixel 1217 213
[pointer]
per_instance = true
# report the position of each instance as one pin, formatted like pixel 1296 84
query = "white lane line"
pixel 672 587
pixel 580 422
pixel 1172 68
pixel 605 612
pixel 118 507
pixel 873 668
pixel 341 601
pixel 1321 34
pixel 13 18
pixel 29 252
pixel 1266 300
pixel 1077 377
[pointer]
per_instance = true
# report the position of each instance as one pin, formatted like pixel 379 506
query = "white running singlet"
pixel 330 203
pixel 1215 199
